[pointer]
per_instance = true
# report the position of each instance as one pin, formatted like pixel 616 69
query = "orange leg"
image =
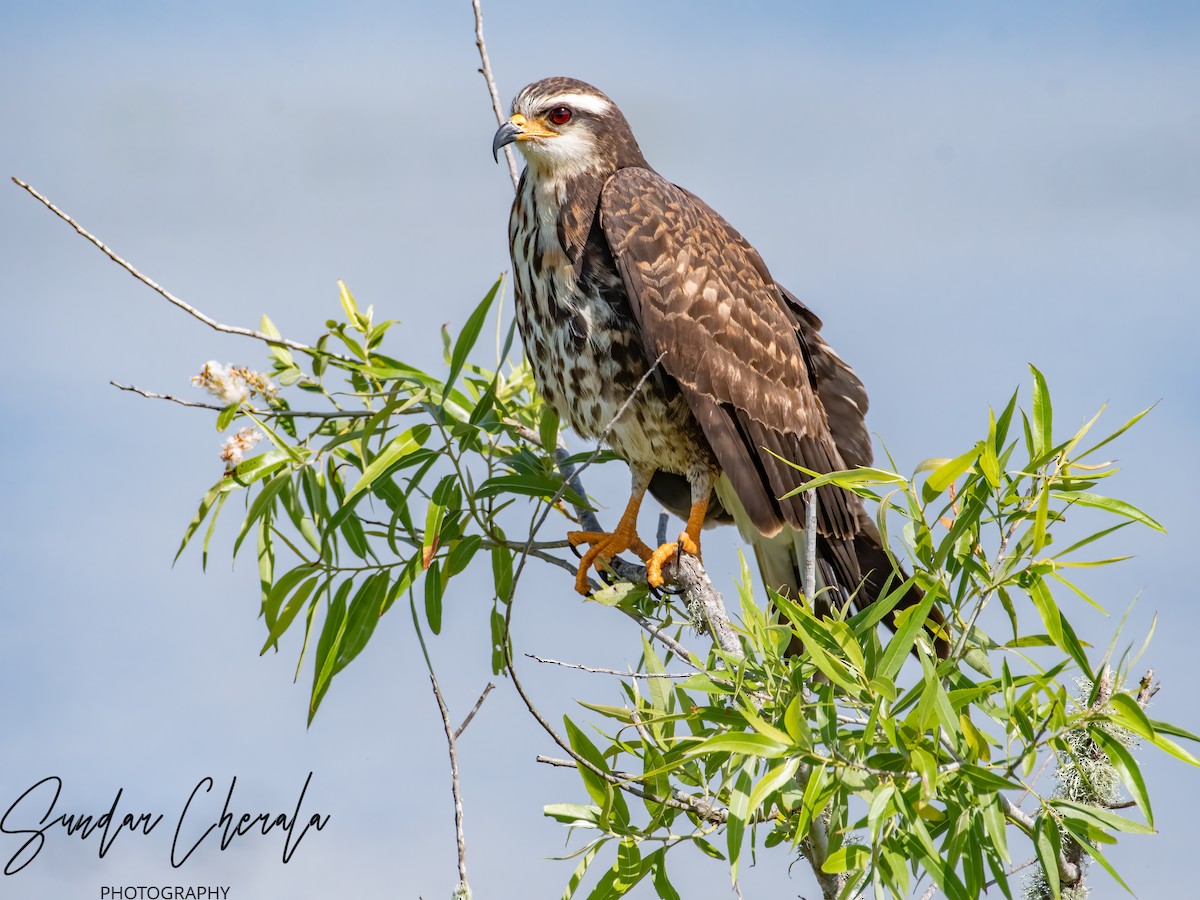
pixel 689 540
pixel 604 545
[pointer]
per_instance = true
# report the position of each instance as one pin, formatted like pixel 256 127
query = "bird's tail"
pixel 781 560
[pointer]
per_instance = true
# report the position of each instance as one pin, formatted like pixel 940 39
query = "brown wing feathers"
pixel 729 342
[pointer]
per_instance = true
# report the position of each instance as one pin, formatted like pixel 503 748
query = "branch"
pixel 485 70
pixel 679 800
pixel 271 413
pixel 474 709
pixel 163 292
pixel 458 808
pixel 567 665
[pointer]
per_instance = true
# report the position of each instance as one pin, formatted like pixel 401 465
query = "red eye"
pixel 560 115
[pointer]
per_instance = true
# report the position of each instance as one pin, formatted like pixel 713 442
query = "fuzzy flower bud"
pixel 233 384
pixel 238 445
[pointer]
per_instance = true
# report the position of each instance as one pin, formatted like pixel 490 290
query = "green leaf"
pixel 575 815
pixel 1046 843
pixel 742 743
pixel 779 775
pixel 910 624
pixel 217 490
pixel 1042 422
pixel 847 858
pixel 328 645
pixel 348 304
pixel 589 854
pixel 289 611
pixel 942 477
pixel 662 885
pixel 434 587
pixel 361 618
pixel 462 553
pixel 260 505
pixel 470 333
pixel 502 571
pixel 548 428
pixel 735 826
pixel 528 484
pixel 849 478
pixel 392 454
pixel 1103 817
pixel 1116 434
pixel 1117 507
pixel 225 416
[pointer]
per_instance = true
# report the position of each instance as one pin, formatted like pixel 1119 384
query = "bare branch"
pixel 581 668
pixel 163 292
pixel 474 709
pixel 680 800
pixel 458 808
pixel 266 413
pixel 810 546
pixel 485 70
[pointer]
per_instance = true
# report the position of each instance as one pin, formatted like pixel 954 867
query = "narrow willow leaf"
pixel 662 884
pixel 395 451
pixel 779 776
pixel 911 621
pixel 1104 818
pixel 851 478
pixel 847 858
pixel 1046 843
pixel 742 743
pixel 289 611
pixel 1042 421
pixel 735 826
pixel 434 586
pixel 328 645
pixel 1116 434
pixel 470 333
pixel 260 505
pixel 581 869
pixel 1109 504
pixel 941 477
pixel 362 616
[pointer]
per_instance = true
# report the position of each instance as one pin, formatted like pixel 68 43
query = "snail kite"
pixel 618 272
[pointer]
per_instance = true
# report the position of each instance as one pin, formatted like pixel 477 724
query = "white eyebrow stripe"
pixel 589 103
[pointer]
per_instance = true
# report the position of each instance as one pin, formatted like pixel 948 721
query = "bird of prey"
pixel 651 323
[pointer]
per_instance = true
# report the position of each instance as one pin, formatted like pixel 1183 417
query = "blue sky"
pixel 921 174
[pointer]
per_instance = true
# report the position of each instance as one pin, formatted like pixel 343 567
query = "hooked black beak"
pixel 505 135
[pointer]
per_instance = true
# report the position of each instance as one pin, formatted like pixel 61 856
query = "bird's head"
pixel 565 127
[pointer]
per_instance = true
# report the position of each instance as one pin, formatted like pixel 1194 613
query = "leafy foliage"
pixel 865 753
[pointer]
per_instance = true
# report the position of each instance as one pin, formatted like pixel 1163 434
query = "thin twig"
pixel 271 413
pixel 582 668
pixel 485 69
pixel 163 292
pixel 474 709
pixel 458 808
pixel 714 814
pixel 810 546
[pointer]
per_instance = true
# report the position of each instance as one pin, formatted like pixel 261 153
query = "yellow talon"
pixel 665 554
